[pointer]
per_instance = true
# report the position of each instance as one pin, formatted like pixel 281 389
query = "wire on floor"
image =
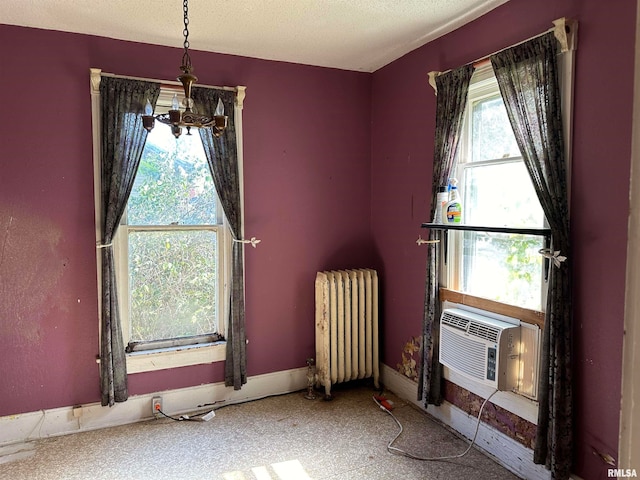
pixel 202 417
pixel 397 451
pixel 197 417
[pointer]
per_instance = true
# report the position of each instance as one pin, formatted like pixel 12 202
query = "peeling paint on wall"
pixel 30 269
pixel 408 367
pixel 506 422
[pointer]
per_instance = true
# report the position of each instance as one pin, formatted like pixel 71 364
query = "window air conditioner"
pixel 482 348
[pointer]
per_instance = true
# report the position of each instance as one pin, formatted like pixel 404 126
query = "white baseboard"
pixel 25 427
pixel 511 454
pixel 16 451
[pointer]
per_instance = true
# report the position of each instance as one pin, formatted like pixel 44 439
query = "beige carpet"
pixel 278 438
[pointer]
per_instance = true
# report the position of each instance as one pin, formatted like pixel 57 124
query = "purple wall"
pixel 307 190
pixel 337 174
pixel 401 189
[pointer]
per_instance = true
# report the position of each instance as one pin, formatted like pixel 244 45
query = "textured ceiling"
pixel 361 35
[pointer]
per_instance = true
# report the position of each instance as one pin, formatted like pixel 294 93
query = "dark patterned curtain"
pixel 123 138
pixel 528 79
pixel 222 157
pixel 452 88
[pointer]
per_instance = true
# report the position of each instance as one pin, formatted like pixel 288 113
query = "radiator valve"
pixel 311 380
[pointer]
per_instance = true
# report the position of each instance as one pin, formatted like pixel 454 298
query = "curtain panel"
pixel 452 88
pixel 122 142
pixel 527 75
pixel 222 157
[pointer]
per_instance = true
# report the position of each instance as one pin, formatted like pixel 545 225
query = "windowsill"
pixel 529 316
pixel 174 357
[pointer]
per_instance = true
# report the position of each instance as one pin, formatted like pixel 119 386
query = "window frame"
pixel 121 254
pixel 174 356
pixel 185 351
pixel 483 85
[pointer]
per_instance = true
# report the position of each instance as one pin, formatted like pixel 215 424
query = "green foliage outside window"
pixel 173 266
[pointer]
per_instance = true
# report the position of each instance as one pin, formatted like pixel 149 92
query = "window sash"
pixel 121 249
pixel 483 86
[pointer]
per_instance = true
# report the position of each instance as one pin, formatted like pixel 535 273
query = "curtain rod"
pixel 564 30
pixel 163 83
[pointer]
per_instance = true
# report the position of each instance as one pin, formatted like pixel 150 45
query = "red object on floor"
pixel 384 402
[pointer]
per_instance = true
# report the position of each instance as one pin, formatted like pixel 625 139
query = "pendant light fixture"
pixel 190 117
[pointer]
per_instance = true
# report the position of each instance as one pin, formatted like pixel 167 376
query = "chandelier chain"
pixel 186 58
pixel 189 118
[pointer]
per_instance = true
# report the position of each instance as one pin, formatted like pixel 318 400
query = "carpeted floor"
pixel 278 438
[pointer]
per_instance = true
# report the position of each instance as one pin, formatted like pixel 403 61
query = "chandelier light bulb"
pixel 148 110
pixel 219 108
pixel 175 104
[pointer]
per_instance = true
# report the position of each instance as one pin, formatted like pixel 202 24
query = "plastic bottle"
pixel 441 198
pixel 452 210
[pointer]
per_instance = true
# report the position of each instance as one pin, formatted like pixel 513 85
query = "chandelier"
pixel 190 117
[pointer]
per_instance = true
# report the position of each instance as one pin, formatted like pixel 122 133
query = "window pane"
pixel 173 184
pixel 173 284
pixel 501 195
pixel 491 135
pixel 503 267
pixel 497 191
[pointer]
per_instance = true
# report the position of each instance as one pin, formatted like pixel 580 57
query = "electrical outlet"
pixel 156 405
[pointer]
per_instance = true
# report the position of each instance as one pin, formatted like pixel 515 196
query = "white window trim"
pixel 151 360
pixel 566 73
pixel 121 254
pixel 174 357
pixel 566 69
pixel 483 85
pixel 121 245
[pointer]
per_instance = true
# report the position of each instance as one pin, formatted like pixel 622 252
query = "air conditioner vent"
pixel 483 348
pixel 454 320
pixel 487 332
pixel 490 349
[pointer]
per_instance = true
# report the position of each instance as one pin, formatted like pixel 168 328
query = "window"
pixel 170 247
pixel 496 190
pixel 193 233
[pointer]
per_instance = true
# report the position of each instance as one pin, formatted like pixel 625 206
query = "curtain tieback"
pixel 553 255
pixel 104 245
pixel 254 241
pixel 422 241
